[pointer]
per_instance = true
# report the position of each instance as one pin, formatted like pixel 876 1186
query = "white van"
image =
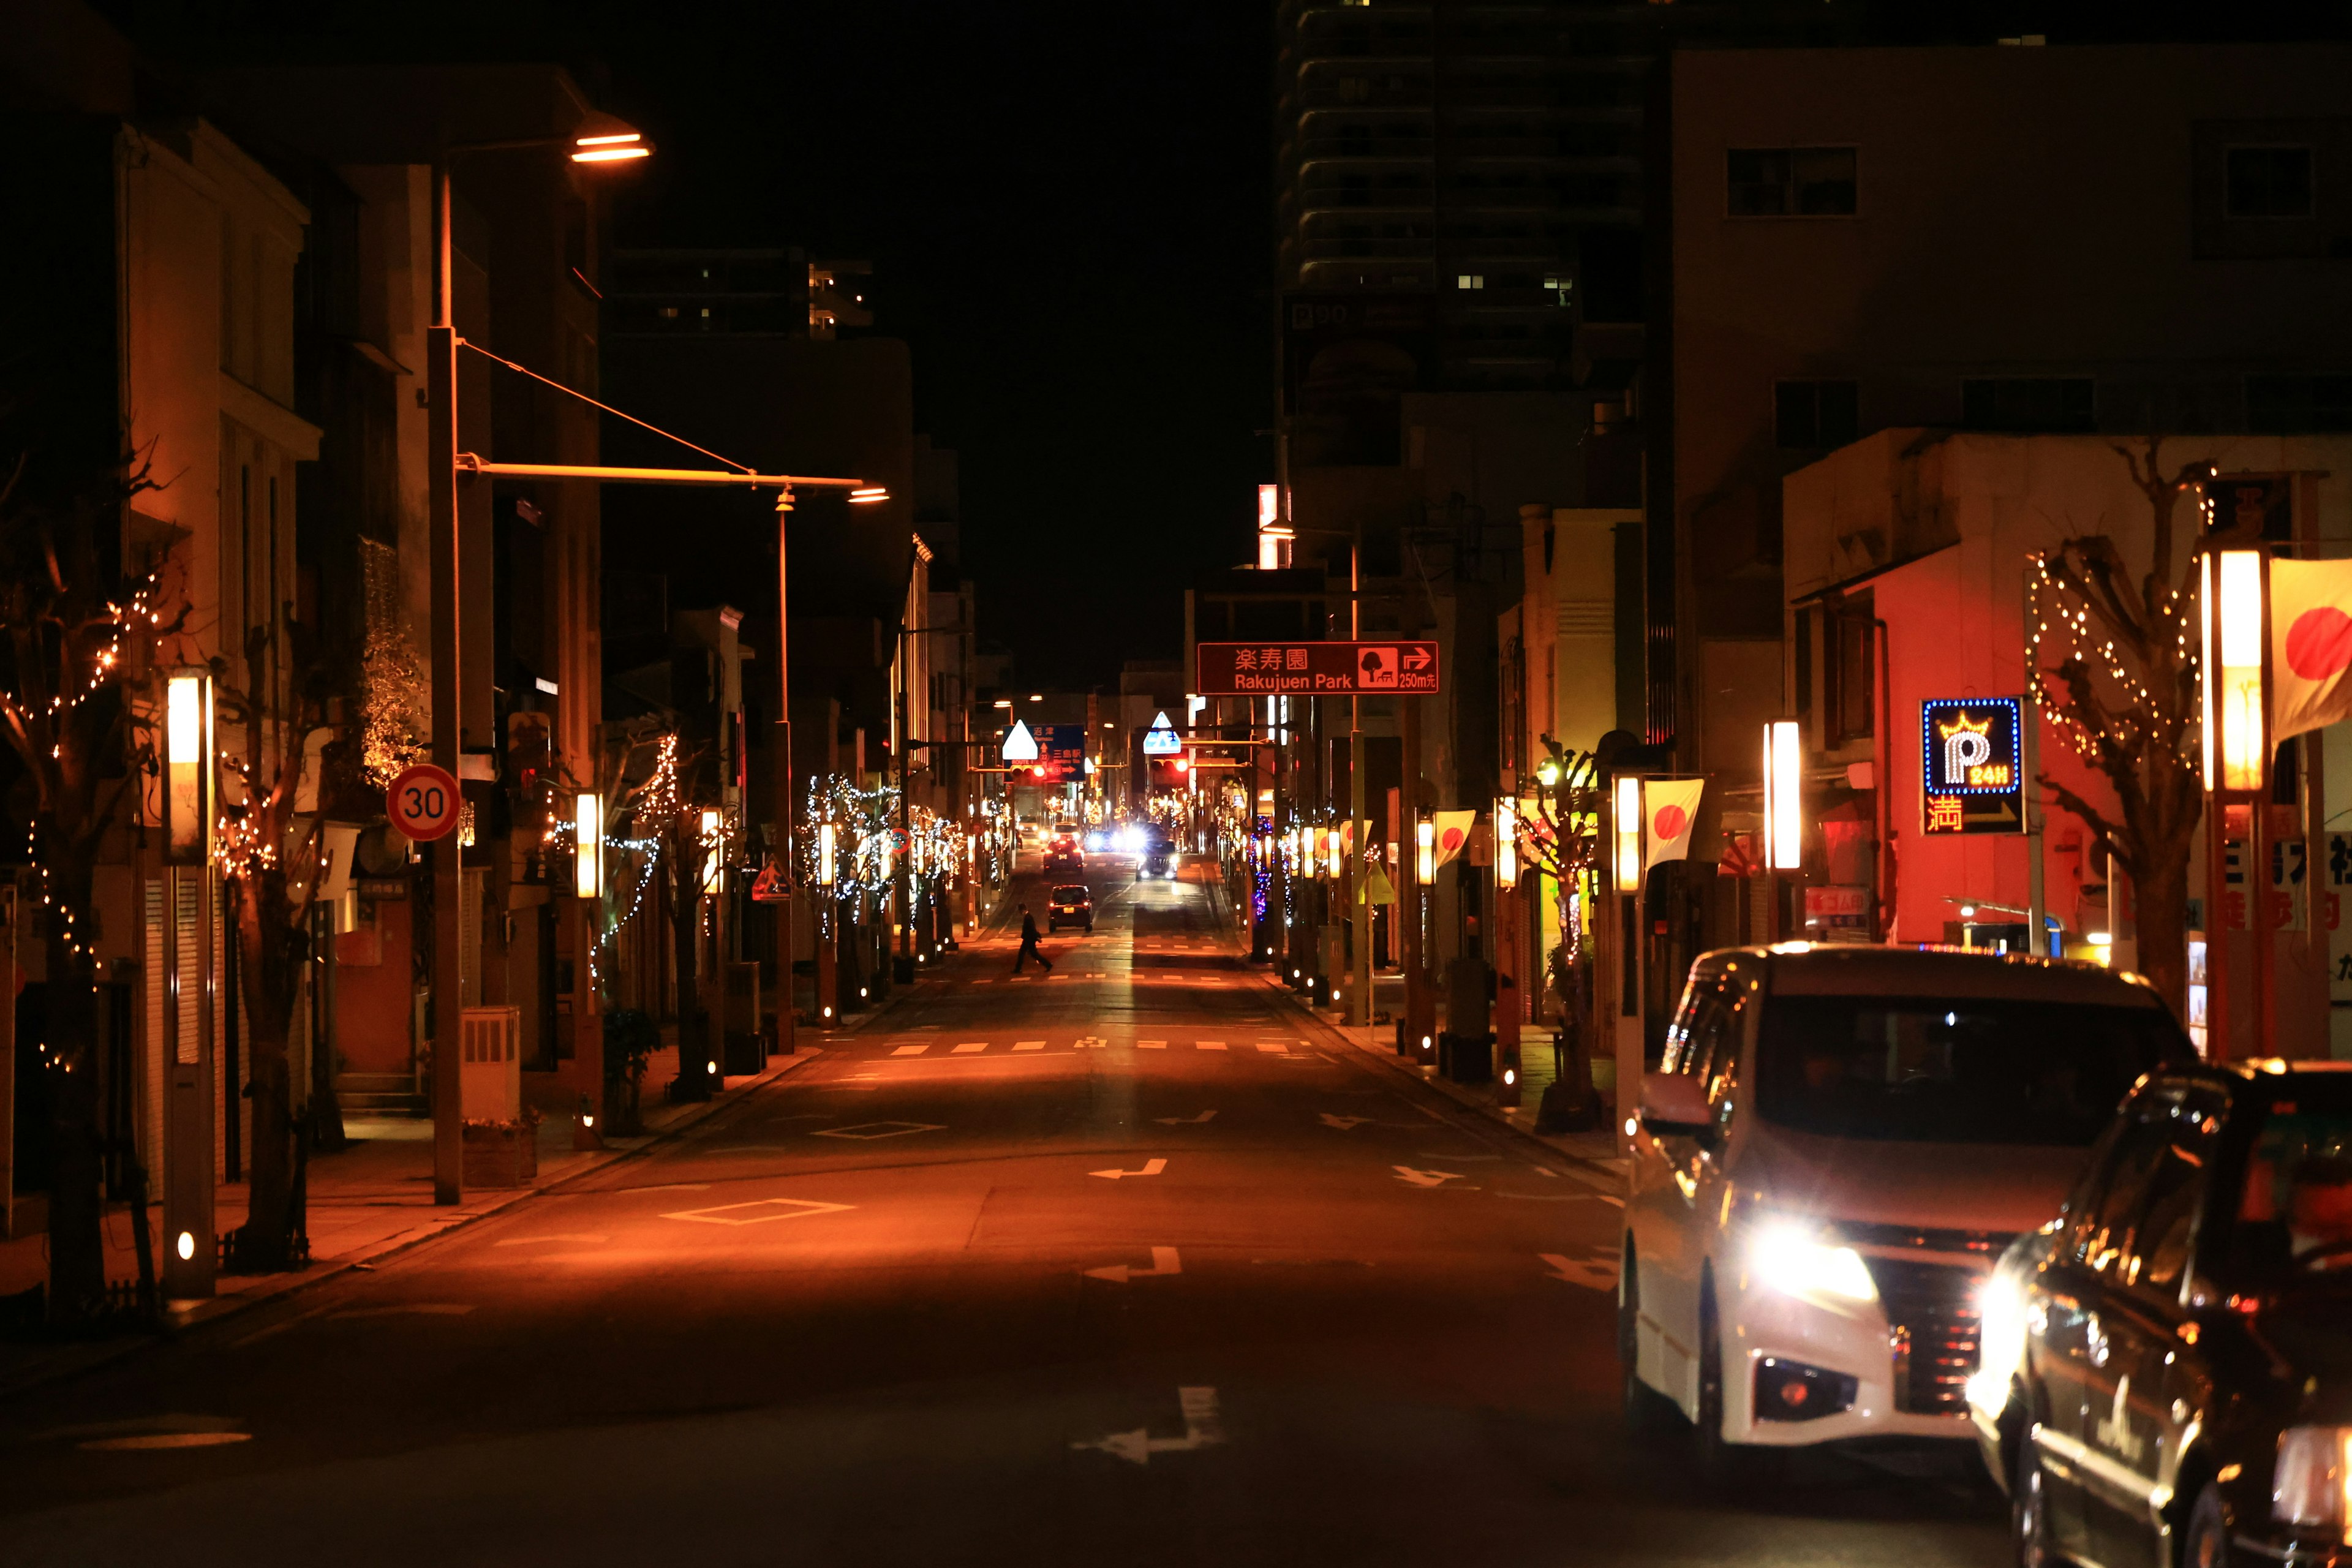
pixel 1833 1151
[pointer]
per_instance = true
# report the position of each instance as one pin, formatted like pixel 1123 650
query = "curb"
pixel 219 1308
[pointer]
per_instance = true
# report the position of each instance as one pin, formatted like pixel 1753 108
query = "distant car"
pixel 1029 833
pixel 1070 904
pixel 1065 858
pixel 2167 1364
pixel 1836 1146
pixel 1066 830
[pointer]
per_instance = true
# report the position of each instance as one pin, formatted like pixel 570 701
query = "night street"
pixel 876 1314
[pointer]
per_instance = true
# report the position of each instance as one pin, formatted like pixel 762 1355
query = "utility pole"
pixel 448 734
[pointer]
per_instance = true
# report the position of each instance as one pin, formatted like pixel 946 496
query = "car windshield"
pixel 2294 1209
pixel 1915 1069
pixel 1072 894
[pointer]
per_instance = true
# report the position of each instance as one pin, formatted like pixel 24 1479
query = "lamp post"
pixel 2236 758
pixel 1784 812
pixel 191 1248
pixel 598 140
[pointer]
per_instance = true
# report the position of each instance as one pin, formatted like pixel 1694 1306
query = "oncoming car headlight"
pixel 1786 1258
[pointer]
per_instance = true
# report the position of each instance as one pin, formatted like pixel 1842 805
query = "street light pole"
pixel 441 482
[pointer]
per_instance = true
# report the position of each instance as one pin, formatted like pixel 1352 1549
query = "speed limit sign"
pixel 423 802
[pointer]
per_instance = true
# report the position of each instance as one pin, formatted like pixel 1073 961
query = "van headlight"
pixel 1795 1262
pixel 2312 1487
pixel 2001 1343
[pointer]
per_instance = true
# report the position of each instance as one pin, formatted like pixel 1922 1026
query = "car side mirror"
pixel 1673 1105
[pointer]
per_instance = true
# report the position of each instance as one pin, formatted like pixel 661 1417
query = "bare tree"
pixel 78 635
pixel 2124 694
pixel 1562 840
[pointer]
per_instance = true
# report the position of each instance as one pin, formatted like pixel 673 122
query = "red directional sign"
pixel 1316 668
pixel 423 802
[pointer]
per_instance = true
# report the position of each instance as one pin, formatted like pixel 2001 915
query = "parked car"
pixel 2168 1365
pixel 1070 904
pixel 1836 1145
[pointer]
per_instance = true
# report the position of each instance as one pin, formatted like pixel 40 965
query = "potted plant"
pixel 501 1153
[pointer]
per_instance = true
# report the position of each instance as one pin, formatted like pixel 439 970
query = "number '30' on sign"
pixel 423 802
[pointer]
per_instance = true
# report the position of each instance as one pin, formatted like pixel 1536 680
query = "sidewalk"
pixel 370 1200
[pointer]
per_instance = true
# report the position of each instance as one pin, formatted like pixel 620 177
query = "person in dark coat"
pixel 1029 943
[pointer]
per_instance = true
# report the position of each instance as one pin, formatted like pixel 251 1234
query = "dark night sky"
pixel 1067 211
pixel 1066 208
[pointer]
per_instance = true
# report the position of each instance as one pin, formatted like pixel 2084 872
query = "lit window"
pixel 1470 280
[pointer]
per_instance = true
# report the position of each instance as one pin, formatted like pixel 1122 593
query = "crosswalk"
pixel 901 1048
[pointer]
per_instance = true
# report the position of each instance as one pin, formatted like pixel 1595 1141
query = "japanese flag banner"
pixel 1452 833
pixel 2311 645
pixel 1673 807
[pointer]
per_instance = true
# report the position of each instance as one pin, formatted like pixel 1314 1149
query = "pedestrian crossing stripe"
pixel 969 1046
pixel 1151 1044
pixel 1210 1045
pixel 911 1050
pixel 1274 1047
pixel 1028 1045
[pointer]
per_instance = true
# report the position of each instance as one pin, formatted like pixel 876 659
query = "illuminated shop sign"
pixel 1972 769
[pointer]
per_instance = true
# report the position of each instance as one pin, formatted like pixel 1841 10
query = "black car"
pixel 1070 904
pixel 1065 858
pixel 2168 1365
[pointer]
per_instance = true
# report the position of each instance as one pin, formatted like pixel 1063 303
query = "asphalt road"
pixel 1126 1266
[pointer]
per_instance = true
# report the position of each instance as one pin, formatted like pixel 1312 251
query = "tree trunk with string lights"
pixel 81 637
pixel 1563 842
pixel 2124 694
pixel 271 860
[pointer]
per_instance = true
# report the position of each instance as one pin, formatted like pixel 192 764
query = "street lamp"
pixel 588 845
pixel 2234 749
pixel 1627 834
pixel 1783 796
pixel 187 767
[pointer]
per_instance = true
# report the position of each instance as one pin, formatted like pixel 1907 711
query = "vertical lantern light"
pixel 188 766
pixel 1334 856
pixel 588 844
pixel 2235 751
pixel 1627 834
pixel 1424 852
pixel 825 855
pixel 1784 818
pixel 710 855
pixel 1507 842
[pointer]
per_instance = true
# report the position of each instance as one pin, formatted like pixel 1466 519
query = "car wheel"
pixel 1724 1463
pixel 2028 1507
pixel 2206 1542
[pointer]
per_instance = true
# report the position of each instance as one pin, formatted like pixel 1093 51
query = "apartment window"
pixel 2298 405
pixel 1470 280
pixel 1851 672
pixel 1814 416
pixel 2267 181
pixel 2049 404
pixel 1792 182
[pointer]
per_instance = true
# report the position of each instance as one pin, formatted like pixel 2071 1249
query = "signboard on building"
pixel 1315 668
pixel 1972 773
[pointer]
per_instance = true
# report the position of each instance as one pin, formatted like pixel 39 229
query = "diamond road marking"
pixel 759 1211
pixel 911 1050
pixel 969 1046
pixel 865 1131
pixel 1028 1045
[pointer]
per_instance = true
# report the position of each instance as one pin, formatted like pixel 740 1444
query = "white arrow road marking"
pixel 1090 1042
pixel 412 1309
pixel 1424 1178
pixel 1151 1168
pixel 1164 1262
pixel 758 1212
pixel 1590 1276
pixel 1184 1120
pixel 539 1240
pixel 1203 1429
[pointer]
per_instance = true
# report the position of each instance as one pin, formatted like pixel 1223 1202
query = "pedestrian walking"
pixel 1029 943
